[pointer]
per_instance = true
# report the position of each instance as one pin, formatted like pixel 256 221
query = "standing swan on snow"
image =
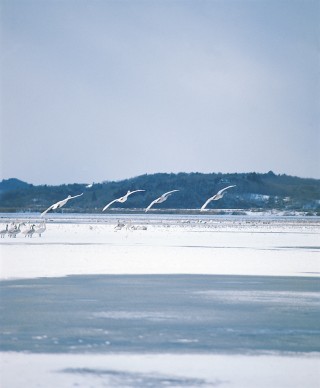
pixel 121 199
pixel 59 204
pixel 41 228
pixel 30 232
pixel 217 196
pixel 13 233
pixel 4 231
pixel 26 228
pixel 12 229
pixel 161 199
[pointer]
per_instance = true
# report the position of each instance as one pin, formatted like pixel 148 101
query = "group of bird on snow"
pixel 39 229
pixel 26 229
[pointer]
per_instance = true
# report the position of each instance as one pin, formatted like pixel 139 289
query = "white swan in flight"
pixel 161 199
pixel 217 196
pixel 59 204
pixel 121 199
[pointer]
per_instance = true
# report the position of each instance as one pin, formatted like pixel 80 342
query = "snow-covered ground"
pixel 212 246
pixel 158 370
pixel 231 246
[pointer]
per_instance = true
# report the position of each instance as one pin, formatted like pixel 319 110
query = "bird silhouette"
pixel 59 204
pixel 161 199
pixel 121 199
pixel 217 196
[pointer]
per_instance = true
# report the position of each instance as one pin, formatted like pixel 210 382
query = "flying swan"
pixel 59 204
pixel 161 199
pixel 121 199
pixel 217 196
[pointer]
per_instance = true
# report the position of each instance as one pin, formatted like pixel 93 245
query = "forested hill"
pixel 253 190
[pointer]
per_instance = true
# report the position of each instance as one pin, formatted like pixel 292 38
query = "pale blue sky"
pixel 105 90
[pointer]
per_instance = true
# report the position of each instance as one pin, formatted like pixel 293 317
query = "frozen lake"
pixel 161 301
pixel 154 313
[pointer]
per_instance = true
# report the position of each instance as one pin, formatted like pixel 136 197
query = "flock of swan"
pixel 124 198
pixel 25 229
pixel 29 230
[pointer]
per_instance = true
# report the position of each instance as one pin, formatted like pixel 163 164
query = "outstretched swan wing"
pixel 109 204
pixel 75 196
pixel 206 203
pixel 46 211
pixel 223 190
pixel 151 204
pixel 132 192
pixel 168 193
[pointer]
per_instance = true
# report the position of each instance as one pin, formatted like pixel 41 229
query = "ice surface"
pixel 248 319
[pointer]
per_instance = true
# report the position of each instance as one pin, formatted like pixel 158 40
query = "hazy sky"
pixel 104 90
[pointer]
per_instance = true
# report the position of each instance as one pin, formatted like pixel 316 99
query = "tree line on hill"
pixel 252 191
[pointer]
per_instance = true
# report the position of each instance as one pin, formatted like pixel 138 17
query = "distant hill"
pixel 12 184
pixel 252 191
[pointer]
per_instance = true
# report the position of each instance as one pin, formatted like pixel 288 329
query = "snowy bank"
pixel 137 246
pixel 153 370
